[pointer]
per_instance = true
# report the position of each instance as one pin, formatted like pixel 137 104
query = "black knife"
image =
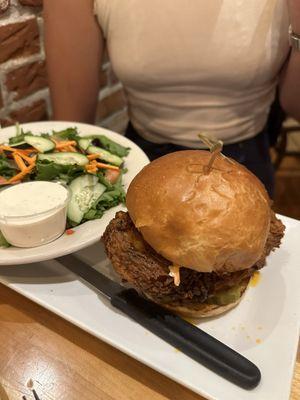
pixel 184 336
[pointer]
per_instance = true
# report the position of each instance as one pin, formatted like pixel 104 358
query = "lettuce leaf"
pixel 113 196
pixel 49 171
pixel 66 134
pixel 7 167
pixel 110 145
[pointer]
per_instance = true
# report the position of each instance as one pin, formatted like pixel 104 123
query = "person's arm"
pixel 74 44
pixel 289 88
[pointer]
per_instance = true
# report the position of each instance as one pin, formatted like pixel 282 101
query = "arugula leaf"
pixel 15 140
pixel 19 136
pixel 110 145
pixel 67 134
pixel 49 171
pixel 45 135
pixel 7 167
pixel 3 242
pixel 103 180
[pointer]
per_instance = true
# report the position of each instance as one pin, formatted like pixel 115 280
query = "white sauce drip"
pixel 174 272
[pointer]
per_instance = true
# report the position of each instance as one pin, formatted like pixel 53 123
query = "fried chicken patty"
pixel 138 264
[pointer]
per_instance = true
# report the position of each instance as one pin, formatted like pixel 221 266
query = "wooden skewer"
pixel 215 147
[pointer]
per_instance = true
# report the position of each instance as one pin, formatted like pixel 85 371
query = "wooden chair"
pixel 279 132
pixel 281 145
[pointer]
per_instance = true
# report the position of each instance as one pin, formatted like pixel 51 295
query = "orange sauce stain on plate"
pixel 193 321
pixel 255 279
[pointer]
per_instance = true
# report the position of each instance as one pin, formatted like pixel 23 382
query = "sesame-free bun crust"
pixel 216 221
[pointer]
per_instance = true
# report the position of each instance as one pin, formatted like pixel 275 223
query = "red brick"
pixel 31 3
pixel 19 39
pixel 111 104
pixel 28 79
pixel 34 112
pixel 6 122
pixel 4 5
pixel 1 100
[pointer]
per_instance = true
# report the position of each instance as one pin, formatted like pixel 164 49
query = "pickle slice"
pixel 226 297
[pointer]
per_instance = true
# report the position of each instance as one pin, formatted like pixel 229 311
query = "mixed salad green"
pixel 92 166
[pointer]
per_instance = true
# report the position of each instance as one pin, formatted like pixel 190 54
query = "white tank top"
pixel 196 65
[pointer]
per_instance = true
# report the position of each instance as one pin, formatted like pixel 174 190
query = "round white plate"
pixel 89 232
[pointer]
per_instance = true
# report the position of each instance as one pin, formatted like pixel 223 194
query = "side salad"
pixel 92 166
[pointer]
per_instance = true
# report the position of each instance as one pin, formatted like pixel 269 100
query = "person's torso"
pixel 196 65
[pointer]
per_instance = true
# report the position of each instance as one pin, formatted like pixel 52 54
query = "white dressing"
pixel 33 213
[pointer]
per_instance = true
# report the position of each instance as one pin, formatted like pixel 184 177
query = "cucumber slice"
pixel 40 143
pixel 84 143
pixel 65 158
pixel 85 190
pixel 18 144
pixel 105 155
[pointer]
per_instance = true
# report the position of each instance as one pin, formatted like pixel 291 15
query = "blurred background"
pixel 24 96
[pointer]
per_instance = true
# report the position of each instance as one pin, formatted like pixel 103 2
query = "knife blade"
pixel 192 341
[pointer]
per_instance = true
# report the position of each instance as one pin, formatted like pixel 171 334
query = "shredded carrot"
pixel 72 149
pixel 30 160
pixel 63 144
pixel 69 149
pixel 21 175
pixel 15 150
pixel 93 157
pixel 19 161
pixel 91 169
pixel 70 232
pixel 7 148
pixel 107 166
pixel 94 165
pixel 26 151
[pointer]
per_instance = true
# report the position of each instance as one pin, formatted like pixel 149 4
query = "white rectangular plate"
pixel 264 327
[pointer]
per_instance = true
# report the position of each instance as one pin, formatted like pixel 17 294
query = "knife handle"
pixel 192 341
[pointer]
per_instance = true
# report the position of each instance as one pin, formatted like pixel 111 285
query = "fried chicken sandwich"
pixel 194 234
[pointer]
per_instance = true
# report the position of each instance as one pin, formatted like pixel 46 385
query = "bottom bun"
pixel 204 310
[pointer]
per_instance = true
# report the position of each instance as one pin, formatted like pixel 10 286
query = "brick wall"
pixel 24 95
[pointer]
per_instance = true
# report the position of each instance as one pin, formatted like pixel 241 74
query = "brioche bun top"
pixel 207 221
